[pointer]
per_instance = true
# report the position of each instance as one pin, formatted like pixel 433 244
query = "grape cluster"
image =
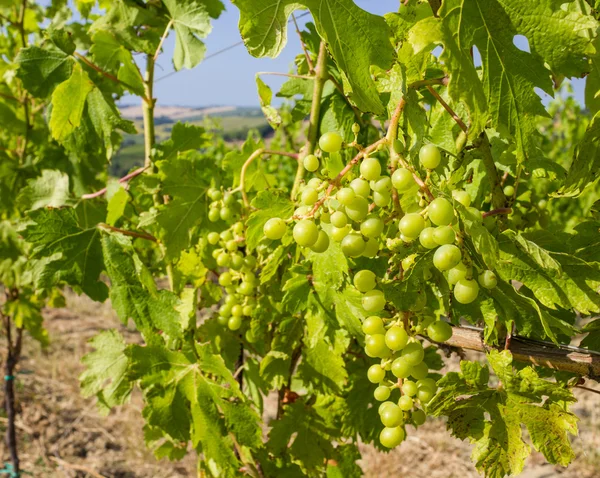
pixel 224 206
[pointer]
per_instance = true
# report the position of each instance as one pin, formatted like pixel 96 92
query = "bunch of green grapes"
pixel 224 206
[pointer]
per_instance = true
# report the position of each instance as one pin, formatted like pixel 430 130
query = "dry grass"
pixel 62 435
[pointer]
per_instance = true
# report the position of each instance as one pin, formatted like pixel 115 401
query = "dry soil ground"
pixel 62 434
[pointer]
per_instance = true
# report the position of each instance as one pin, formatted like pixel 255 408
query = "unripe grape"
pixel 488 279
pixel 339 219
pixel 247 310
pixel 322 243
pixel 214 215
pixel 274 228
pixel 365 280
pixel 411 225
pixel 331 142
pixel 250 261
pixel 223 259
pixel 475 214
pixel 370 169
pixel 222 319
pixel 345 196
pixel 353 245
pixel 509 191
pixel 213 238
pixel 460 271
pixel 356 128
pixel 466 291
pixel 542 204
pixel 338 233
pixel 405 403
pixel 376 374
pixel 302 211
pixel 444 235
pixel 401 368
pixel 396 338
pixel 430 156
pixel 383 406
pixel 398 146
pixel 375 346
pixel 462 197
pixel 383 185
pixel 237 310
pixel 425 395
pixel 246 288
pixel 391 437
pixel 216 253
pixel 314 183
pixel 358 209
pixel 372 227
pixel 440 212
pixel 226 213
pixel 446 257
pixel 373 326
pixel 311 163
pixel 226 235
pixel 418 417
pixel 305 232
pixel 426 238
pixel 215 194
pixel 402 179
pixel 382 199
pixel 361 187
pixel 371 248
pixel 225 279
pixel 382 393
pixel 237 261
pixel 325 217
pixel 420 371
pixel 413 353
pixel 409 388
pixel 427 383
pixel 234 323
pixel 373 301
pixel 439 331
pixel 229 199
pixel 309 196
pixel 392 416
pixel 231 245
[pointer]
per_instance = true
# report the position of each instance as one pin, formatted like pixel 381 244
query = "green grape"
pixel 396 338
pixel 375 346
pixel 216 253
pixel 383 406
pixel 425 395
pixel 401 368
pixel 372 248
pixel 311 163
pixel 391 437
pixel 402 179
pixel 392 416
pixel 373 326
pixel 338 233
pixel 542 204
pixel 418 417
pixel 406 239
pixel 408 262
pixel 372 227
pixel 223 259
pixel 250 261
pixel 439 331
pixel 229 199
pixel 383 185
pixel 339 219
pixel 325 217
pixel 353 245
pixel 234 323
pixel 426 238
pixel 420 371
pixel 246 288
pixel 226 235
pixel 488 280
pixel 460 271
pixel 411 225
pixel 382 393
pixel 398 146
pixel 427 383
pixel 274 228
pixel 230 299
pixel 409 388
pixel 237 261
pixel 440 212
pixel 238 228
pixel 226 213
pixel 213 238
pixel 215 194
pixel 358 209
pixel 370 169
pixel 446 257
pixel 309 196
pixel 231 245
pixel 223 320
pixel 331 142
pixel 475 214
pixel 375 374
pixel 405 403
pixel 214 215
pixel 305 232
pixel 314 183
pixel 237 310
pixel 356 128
pixel 365 280
pixel 509 191
pixel 413 353
pixel 373 301
pixel 462 197
pixel 430 156
pixel 444 235
pixel 345 196
pixel 322 243
pixel 247 310
pixel 361 187
pixel 382 199
pixel 466 291
pixel 225 279
pixel 302 211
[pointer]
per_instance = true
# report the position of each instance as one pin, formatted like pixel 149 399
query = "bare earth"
pixel 63 435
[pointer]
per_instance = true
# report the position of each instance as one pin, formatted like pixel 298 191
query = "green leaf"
pixel 42 69
pixel 191 21
pixel 322 367
pixel 265 95
pixel 184 137
pixel 68 102
pixel 27 315
pixel 270 203
pixel 116 206
pixel 356 39
pixel 66 251
pixel 50 189
pixel 297 289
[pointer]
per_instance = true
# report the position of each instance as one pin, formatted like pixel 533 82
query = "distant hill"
pixel 232 122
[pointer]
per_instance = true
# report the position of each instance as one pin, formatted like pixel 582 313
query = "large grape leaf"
pixel 356 39
pixel 66 251
pixel 50 189
pixel 43 69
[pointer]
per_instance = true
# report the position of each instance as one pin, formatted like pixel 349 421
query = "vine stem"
pixel 446 106
pixel 392 136
pixel 309 62
pixel 25 100
pixel 138 235
pixel 496 212
pixel 102 72
pixel 124 179
pixel 148 112
pixel 162 39
pixel 320 79
pixel 287 75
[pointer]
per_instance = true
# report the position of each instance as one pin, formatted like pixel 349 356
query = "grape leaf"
pixel 269 204
pixel 356 39
pixel 42 69
pixel 265 95
pixel 50 189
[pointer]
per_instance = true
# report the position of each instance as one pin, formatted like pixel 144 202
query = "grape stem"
pixel 138 235
pixel 392 136
pixel 446 106
pixel 309 62
pixel 124 179
pixel 162 39
pixel 497 212
pixel 287 75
